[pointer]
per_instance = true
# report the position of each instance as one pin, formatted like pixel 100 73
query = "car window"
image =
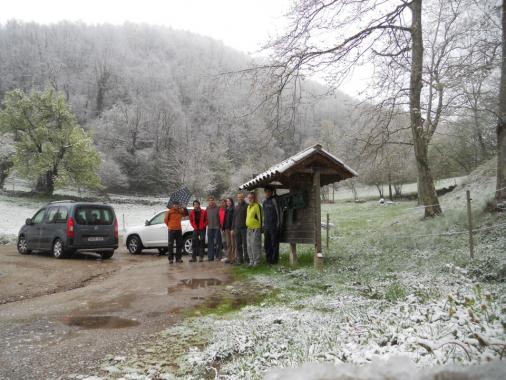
pixel 94 215
pixel 37 218
pixel 61 215
pixel 50 214
pixel 158 219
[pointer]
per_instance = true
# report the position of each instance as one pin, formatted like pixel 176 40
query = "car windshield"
pixel 94 215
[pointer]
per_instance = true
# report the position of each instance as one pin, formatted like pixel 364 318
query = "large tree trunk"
pixel 380 190
pixel 45 183
pixel 5 167
pixel 421 138
pixel 500 194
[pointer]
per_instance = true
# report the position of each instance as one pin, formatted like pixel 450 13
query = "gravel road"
pixel 61 317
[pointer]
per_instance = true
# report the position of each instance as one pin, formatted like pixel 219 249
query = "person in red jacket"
pixel 198 220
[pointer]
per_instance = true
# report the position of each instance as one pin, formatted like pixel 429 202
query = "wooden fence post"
pixel 470 224
pixel 293 255
pixel 328 228
pixel 317 220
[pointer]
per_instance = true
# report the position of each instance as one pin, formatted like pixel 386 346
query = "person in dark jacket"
pixel 240 230
pixel 198 220
pixel 222 243
pixel 213 229
pixel 272 225
pixel 228 227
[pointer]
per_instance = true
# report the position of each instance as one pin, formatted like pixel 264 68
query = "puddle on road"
pixel 99 322
pixel 195 283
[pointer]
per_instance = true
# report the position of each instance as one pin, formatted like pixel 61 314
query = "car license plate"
pixel 95 238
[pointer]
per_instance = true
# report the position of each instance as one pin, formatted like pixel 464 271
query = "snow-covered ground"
pixel 463 325
pixel 379 296
pixel 390 286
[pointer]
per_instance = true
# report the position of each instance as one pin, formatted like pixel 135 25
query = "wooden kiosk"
pixel 302 176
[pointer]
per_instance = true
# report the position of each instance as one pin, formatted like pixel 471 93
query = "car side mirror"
pixel 146 223
pixel 28 222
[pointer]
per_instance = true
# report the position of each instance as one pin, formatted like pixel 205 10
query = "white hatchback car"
pixel 153 235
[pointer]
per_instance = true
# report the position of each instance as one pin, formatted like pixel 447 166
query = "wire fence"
pixel 471 231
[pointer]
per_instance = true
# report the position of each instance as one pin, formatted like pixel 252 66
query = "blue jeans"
pixel 213 242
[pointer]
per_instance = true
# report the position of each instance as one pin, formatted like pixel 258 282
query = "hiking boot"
pixel 192 260
pixel 179 261
pixel 201 260
pixel 171 261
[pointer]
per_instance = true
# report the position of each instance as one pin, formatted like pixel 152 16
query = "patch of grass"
pixel 231 300
pixel 395 292
pixel 218 306
pixel 242 273
pixel 305 259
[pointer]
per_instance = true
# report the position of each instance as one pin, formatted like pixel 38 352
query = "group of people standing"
pixel 234 228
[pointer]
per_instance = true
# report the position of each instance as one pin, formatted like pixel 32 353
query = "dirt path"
pixel 60 317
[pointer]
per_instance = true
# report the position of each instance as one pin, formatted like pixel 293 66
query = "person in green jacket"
pixel 254 225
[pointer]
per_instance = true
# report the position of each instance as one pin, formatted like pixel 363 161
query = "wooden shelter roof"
pixel 287 172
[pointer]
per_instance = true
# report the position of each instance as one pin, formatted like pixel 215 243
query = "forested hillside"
pixel 162 109
pixel 168 107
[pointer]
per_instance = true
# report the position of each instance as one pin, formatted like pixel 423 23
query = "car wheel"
pixel 58 250
pixel 106 254
pixel 23 246
pixel 134 245
pixel 163 251
pixel 188 245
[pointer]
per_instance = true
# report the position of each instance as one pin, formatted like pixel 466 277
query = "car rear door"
pixel 32 232
pixel 94 226
pixel 155 234
pixel 47 227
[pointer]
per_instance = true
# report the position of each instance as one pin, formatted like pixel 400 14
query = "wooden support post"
pixel 293 255
pixel 124 226
pixel 470 224
pixel 328 231
pixel 318 260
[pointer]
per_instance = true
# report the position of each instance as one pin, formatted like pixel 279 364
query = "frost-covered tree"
pixel 51 149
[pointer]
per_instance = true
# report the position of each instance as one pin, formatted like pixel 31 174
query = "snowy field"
pixel 370 192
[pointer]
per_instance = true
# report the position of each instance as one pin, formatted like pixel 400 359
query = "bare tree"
pixel 500 195
pixel 417 63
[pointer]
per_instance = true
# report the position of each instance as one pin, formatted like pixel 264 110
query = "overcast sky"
pixel 242 24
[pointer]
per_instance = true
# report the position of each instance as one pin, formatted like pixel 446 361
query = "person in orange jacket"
pixel 173 218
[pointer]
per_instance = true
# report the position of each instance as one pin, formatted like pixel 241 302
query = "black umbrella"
pixel 182 196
